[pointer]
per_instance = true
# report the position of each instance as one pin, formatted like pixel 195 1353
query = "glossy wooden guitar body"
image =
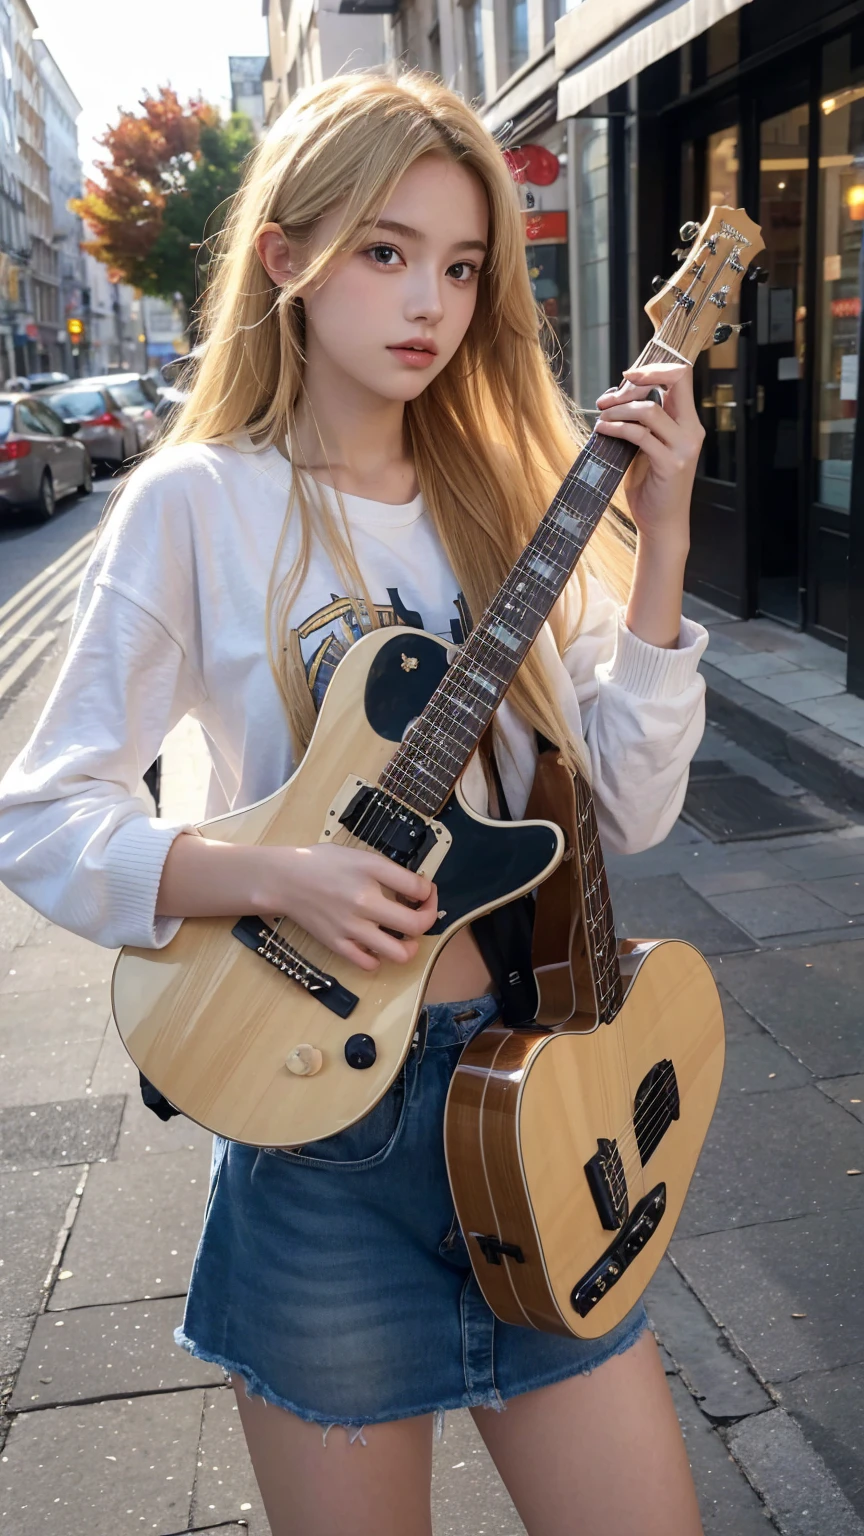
pixel 526 1113
pixel 211 1023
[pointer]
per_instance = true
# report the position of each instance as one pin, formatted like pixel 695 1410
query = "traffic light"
pixel 75 328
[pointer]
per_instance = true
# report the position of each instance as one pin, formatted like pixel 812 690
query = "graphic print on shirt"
pixel 347 618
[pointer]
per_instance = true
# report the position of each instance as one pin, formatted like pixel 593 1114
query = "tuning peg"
pixel 723 332
pixel 688 232
pixel 658 283
pixel 759 275
pixel 680 253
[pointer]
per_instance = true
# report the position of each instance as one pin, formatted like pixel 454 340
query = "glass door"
pixel 780 363
pixel 839 275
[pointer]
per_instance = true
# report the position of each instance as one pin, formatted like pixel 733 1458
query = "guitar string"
pixel 484 650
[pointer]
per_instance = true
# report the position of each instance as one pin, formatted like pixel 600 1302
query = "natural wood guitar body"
pixel 525 1113
pixel 211 1023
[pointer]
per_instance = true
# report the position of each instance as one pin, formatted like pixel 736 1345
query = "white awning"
pixel 654 33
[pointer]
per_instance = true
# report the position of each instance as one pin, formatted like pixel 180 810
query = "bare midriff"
pixel 460 971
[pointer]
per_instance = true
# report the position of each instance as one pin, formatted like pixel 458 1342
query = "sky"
pixel 112 50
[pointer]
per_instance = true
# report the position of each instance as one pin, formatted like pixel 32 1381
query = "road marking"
pixel 10 678
pixel 44 612
pixel 71 556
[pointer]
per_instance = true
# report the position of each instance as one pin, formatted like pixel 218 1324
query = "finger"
pixel 357 956
pixel 677 381
pixel 404 881
pixel 625 391
pixel 384 944
pixel 649 415
pixel 395 915
pixel 411 920
pixel 661 457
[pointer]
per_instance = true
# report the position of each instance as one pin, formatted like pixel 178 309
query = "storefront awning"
pixel 610 41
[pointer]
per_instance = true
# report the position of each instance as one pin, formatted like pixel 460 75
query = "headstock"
pixel 691 306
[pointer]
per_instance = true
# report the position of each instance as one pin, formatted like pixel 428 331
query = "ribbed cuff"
pixel 139 849
pixel 651 671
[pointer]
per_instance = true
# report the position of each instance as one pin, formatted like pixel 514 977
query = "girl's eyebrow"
pixel 408 233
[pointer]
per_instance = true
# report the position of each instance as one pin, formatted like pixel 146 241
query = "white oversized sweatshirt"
pixel 171 620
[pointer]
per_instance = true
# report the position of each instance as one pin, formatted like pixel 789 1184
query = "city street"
pixel 758 1308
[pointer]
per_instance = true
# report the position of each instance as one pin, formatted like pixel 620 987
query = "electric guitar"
pixel 259 1032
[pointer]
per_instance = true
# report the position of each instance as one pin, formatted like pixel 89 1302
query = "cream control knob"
pixel 304 1060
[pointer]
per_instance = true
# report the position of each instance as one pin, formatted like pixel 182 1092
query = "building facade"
pixel 631 117
pixel 61 112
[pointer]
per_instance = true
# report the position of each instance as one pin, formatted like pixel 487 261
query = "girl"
pixel 372 435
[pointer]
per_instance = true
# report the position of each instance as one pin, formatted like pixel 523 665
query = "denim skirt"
pixel 333 1279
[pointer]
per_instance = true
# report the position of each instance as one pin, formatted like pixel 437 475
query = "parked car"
pixel 138 396
pixel 41 457
pixel 30 382
pixel 46 380
pixel 107 428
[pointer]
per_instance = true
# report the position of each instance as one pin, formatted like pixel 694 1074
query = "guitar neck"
pixel 424 770
pixel 598 920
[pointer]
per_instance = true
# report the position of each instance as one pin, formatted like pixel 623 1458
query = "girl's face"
pixel 391 314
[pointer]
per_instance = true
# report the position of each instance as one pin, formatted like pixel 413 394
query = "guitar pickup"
pixel 380 821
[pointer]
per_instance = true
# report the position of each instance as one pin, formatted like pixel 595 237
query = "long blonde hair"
pixel 492 436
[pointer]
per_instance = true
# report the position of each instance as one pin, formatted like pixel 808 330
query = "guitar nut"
pixel 304 1060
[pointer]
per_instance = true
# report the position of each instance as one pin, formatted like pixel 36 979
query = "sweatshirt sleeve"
pixel 76 843
pixel 642 710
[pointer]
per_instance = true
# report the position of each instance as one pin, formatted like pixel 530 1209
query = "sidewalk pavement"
pixel 784 694
pixel 110 1429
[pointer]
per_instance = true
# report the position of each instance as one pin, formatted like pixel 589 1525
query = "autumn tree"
pixel 170 173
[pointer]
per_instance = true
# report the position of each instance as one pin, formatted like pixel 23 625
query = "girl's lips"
pixel 412 356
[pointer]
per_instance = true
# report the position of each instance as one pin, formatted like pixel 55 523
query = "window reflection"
pixel 841 220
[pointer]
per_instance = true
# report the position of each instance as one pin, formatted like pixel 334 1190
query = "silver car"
pixel 138 396
pixel 41 458
pixel 107 428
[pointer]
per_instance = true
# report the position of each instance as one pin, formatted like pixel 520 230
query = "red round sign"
pixel 540 165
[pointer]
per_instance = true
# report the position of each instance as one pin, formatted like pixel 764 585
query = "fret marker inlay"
pixel 591 472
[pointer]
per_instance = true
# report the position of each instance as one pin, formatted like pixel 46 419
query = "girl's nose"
pixel 423 301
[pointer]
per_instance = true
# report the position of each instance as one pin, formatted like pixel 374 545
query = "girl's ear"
pixel 274 253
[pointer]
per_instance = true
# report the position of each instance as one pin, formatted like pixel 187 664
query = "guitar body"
pixel 211 1020
pixel 565 1223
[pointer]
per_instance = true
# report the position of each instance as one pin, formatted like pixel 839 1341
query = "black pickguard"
pixel 486 863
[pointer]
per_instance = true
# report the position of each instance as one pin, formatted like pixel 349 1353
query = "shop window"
pixel 723 45
pixel 590 264
pixel 716 369
pixel 542 171
pixel 555 9
pixel 517 31
pixel 839 279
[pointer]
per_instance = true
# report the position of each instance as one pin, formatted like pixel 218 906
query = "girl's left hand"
pixel 659 484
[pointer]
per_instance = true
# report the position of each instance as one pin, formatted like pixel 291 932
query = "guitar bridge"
pixel 260 937
pixel 620 1254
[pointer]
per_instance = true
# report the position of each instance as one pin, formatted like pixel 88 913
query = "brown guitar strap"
pixel 559 954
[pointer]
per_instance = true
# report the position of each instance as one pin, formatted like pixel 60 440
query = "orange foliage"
pixel 148 153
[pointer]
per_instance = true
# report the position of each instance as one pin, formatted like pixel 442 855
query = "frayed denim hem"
pixel 495 1399
pixel 255 1387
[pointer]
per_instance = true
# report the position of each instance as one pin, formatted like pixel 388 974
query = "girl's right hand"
pixel 345 898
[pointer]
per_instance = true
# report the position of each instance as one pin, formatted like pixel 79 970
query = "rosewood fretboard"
pixel 423 771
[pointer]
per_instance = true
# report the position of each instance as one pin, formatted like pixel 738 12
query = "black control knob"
pixel 360 1051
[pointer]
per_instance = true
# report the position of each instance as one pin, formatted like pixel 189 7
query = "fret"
pixel 465 700
pixel 599 923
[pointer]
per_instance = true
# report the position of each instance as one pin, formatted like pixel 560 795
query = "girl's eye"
pixel 462 271
pixel 384 255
